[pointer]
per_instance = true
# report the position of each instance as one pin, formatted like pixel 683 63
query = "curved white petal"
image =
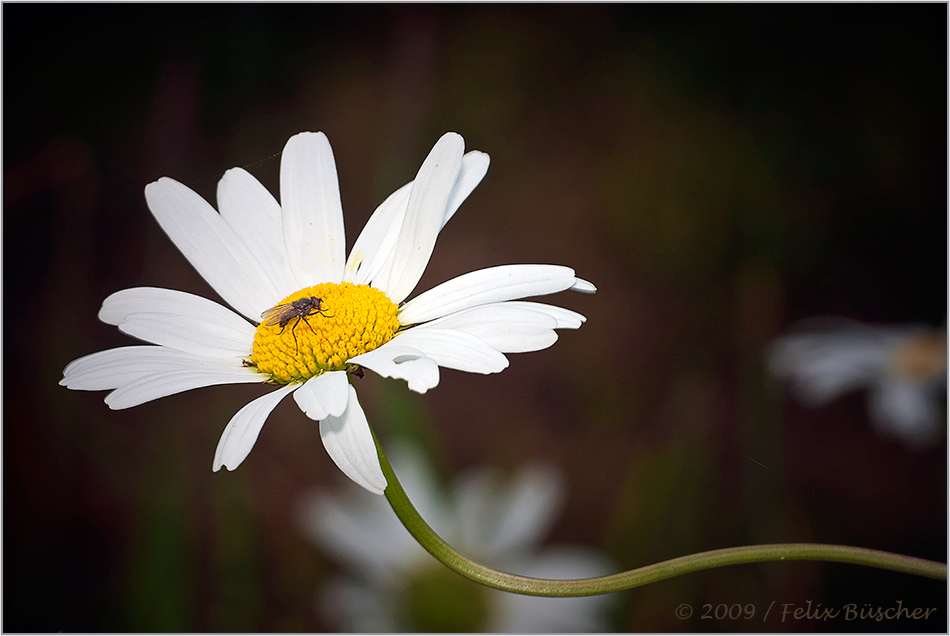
pixel 112 368
pixel 255 215
pixel 179 320
pixel 507 327
pixel 188 333
pixel 168 301
pixel 312 211
pixel 491 285
pixel 156 385
pixel 242 431
pixel 374 246
pixel 583 286
pixel 323 395
pixel 212 246
pixel 454 349
pixel 565 318
pixel 517 338
pixel 426 209
pixel 474 167
pixel 404 363
pixel 350 444
pixel 372 254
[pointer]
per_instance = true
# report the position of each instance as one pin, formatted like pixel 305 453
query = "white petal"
pixel 517 338
pixel 179 320
pixel 906 410
pixel 242 431
pixel 423 486
pixel 454 350
pixel 583 286
pixel 255 215
pixel 427 204
pixel 474 167
pixel 824 365
pixel 114 367
pixel 312 212
pixel 156 385
pixel 323 395
pixel 491 285
pixel 361 530
pixel 155 299
pixel 372 254
pixel 211 246
pixel 375 244
pixel 507 327
pixel 350 444
pixel 194 335
pixel 505 519
pixel 565 318
pixel 525 510
pixel 405 363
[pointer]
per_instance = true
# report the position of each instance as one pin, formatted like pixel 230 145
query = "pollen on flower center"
pixel 319 328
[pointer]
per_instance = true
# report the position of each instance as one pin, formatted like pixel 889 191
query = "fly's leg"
pixel 293 332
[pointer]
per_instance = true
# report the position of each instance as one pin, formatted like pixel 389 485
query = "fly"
pixel 298 309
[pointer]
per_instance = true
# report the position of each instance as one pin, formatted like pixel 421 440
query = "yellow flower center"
pixel 319 328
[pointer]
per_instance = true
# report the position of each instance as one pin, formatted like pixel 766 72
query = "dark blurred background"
pixel 718 171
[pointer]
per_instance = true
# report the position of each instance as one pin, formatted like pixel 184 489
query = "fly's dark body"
pixel 295 310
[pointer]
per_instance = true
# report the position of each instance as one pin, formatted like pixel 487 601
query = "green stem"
pixel 479 573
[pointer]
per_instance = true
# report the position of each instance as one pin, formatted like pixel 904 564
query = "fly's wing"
pixel 274 315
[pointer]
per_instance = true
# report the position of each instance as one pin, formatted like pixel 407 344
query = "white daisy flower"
pixel 391 584
pixel 902 367
pixel 321 315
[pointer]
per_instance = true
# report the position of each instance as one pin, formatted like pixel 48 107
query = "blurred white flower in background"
pixel 903 368
pixel 392 584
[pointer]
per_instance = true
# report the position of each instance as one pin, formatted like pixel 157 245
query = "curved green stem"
pixel 479 573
